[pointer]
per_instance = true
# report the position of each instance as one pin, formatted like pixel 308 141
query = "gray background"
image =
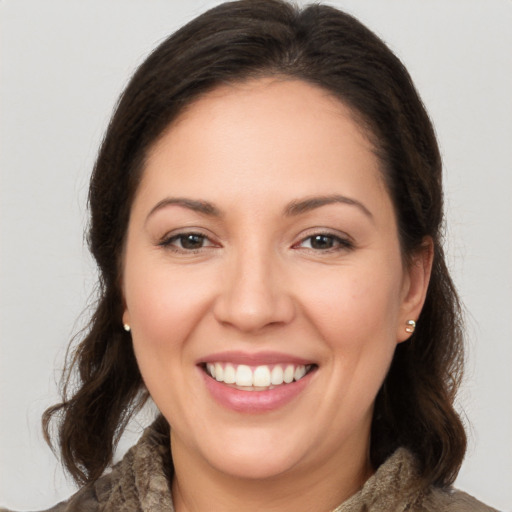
pixel 63 64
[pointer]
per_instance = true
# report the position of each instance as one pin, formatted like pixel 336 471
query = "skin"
pixel 257 282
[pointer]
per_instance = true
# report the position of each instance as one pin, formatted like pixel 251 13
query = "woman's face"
pixel 262 247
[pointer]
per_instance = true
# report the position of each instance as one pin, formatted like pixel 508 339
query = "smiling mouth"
pixel 257 378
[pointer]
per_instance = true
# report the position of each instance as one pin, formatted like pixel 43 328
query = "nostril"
pixel 251 310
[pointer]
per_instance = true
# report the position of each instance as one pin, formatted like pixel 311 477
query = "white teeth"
pixel 300 371
pixel 229 374
pixel 261 377
pixel 219 372
pixel 288 374
pixel 243 375
pixel 276 377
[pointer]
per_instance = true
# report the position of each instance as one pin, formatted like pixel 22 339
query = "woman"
pixel 266 211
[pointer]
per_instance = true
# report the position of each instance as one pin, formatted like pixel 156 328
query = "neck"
pixel 319 489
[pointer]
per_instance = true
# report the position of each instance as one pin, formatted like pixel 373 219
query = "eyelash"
pixel 338 243
pixel 169 242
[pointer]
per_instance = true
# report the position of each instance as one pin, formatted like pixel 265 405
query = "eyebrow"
pixel 311 203
pixel 292 209
pixel 196 205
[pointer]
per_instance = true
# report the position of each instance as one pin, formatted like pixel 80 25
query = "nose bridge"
pixel 253 294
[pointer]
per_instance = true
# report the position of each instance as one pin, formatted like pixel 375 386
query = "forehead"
pixel 285 98
pixel 263 134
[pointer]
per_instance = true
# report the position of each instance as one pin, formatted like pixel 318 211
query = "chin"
pixel 254 454
pixel 257 465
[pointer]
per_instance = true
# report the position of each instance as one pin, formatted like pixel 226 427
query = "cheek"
pixel 354 306
pixel 165 308
pixel 164 305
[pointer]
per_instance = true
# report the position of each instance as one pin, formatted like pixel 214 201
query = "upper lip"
pixel 254 359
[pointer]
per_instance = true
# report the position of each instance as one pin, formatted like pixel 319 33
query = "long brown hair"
pixel 323 46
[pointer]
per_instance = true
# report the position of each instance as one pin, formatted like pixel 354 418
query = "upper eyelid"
pixel 304 235
pixel 341 239
pixel 169 242
pixel 307 233
pixel 186 231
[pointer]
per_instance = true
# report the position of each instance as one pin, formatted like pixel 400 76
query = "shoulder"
pixel 85 500
pixel 452 500
pixel 140 481
pixel 397 487
pixel 88 499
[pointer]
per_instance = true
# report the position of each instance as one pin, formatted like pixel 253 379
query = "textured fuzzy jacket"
pixel 141 483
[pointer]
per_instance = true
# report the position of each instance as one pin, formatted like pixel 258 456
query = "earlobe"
pixel 126 321
pixel 418 278
pixel 410 326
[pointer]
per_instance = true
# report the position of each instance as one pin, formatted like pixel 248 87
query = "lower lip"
pixel 255 401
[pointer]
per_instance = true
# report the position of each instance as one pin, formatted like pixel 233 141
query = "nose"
pixel 254 294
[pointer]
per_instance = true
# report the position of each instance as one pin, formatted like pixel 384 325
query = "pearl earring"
pixel 127 328
pixel 411 325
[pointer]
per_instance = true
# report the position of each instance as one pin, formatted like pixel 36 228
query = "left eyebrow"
pixel 311 203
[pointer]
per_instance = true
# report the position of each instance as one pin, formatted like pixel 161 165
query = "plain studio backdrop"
pixel 63 64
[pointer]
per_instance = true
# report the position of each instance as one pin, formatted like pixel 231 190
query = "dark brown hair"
pixel 238 41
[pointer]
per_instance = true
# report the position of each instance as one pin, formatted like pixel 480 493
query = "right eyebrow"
pixel 203 207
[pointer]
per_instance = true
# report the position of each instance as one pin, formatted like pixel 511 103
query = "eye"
pixel 325 242
pixel 187 242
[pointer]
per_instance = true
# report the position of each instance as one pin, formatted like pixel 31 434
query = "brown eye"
pixel 191 241
pixel 187 242
pixel 325 242
pixel 322 242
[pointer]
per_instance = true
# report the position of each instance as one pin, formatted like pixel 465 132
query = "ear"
pixel 415 286
pixel 126 314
